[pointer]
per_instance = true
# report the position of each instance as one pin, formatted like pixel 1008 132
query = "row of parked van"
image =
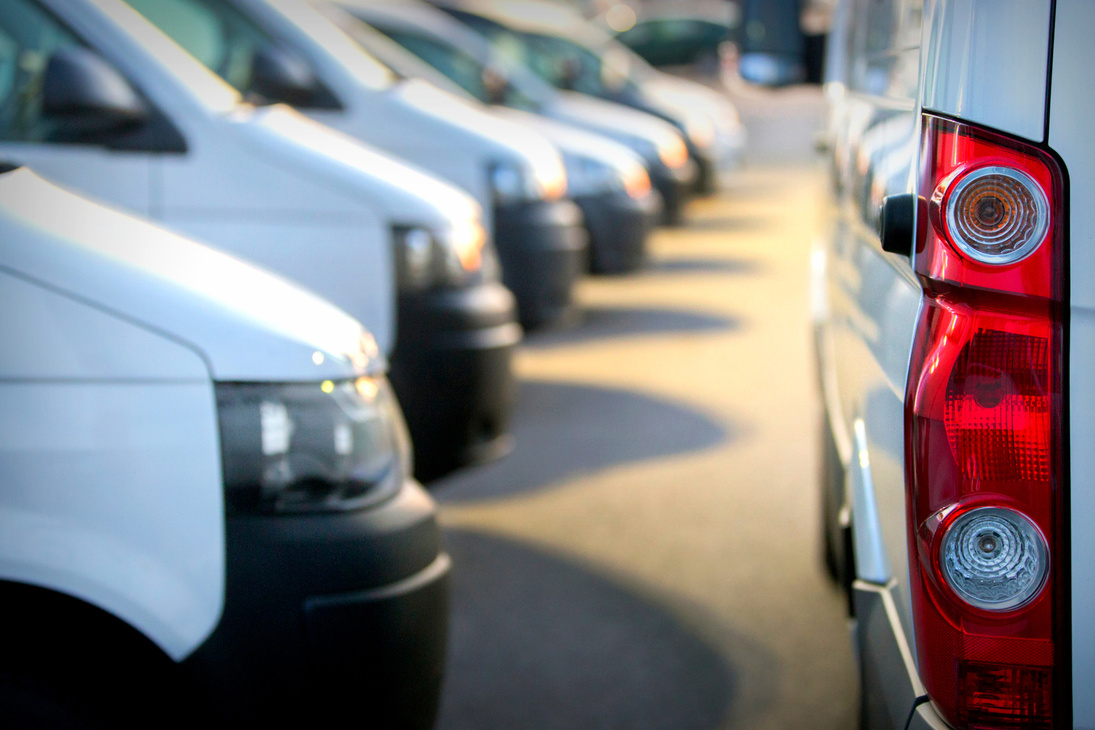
pixel 207 497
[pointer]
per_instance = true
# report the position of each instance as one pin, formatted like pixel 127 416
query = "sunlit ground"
pixel 648 557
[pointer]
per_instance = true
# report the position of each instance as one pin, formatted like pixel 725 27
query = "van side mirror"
pixel 86 98
pixel 773 46
pixel 495 86
pixel 282 76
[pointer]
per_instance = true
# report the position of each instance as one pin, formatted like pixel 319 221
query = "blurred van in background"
pixel 207 511
pixel 573 54
pixel 469 60
pixel 286 51
pixel 607 180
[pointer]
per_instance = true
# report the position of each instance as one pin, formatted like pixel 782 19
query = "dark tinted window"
pixel 28 37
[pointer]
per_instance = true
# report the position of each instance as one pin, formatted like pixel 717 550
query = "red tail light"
pixel 984 430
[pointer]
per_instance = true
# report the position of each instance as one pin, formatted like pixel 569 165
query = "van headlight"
pixel 589 176
pixel 669 150
pixel 452 256
pixel 700 130
pixel 512 182
pixel 307 447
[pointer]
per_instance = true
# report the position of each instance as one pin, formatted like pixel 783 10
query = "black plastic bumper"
pixel 542 247
pixel 676 185
pixel 707 180
pixel 452 371
pixel 618 226
pixel 331 614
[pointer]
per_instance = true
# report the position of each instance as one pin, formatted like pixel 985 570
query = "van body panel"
pixel 104 501
pixel 242 323
pixel 866 314
pixel 1072 109
pixel 986 61
pixel 872 302
pixel 109 348
pixel 891 684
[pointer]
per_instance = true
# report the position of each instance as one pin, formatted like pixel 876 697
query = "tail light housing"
pixel 984 429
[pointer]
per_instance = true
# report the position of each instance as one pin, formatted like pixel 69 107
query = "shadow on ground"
pixel 724 224
pixel 702 266
pixel 541 643
pixel 600 323
pixel 563 430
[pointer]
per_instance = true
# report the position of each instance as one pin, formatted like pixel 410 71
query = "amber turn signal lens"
pixel 997 215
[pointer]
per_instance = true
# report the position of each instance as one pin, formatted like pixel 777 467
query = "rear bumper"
pixel 889 683
pixel 618 227
pixel 542 246
pixel 331 613
pixel 452 371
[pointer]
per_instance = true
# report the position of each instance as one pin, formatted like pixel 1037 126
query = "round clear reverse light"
pixel 997 214
pixel 994 558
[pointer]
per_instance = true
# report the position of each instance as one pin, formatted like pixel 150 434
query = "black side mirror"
pixel 280 75
pixel 773 46
pixel 86 98
pixel 495 86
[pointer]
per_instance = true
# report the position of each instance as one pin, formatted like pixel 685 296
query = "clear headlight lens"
pixel 452 256
pixel 305 447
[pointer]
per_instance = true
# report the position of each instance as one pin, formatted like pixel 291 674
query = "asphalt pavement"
pixel 648 556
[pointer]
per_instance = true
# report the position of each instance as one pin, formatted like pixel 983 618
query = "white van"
pixel 955 327
pixel 285 50
pixel 471 61
pixel 206 510
pixel 95 97
pixel 607 180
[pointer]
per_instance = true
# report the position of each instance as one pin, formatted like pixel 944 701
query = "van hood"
pixel 398 191
pixel 618 122
pixel 488 130
pixel 247 324
pixel 688 96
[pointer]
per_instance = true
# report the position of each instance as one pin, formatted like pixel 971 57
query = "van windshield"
pixel 213 32
pixel 217 34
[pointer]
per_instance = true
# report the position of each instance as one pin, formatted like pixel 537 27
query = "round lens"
pixel 997 215
pixel 995 559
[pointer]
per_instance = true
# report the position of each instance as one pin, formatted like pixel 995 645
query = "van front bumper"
pixel 676 186
pixel 331 613
pixel 618 226
pixel 453 374
pixel 542 246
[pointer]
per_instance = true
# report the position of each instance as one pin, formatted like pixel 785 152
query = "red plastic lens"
pixel 997 410
pixel 984 428
pixel 995 695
